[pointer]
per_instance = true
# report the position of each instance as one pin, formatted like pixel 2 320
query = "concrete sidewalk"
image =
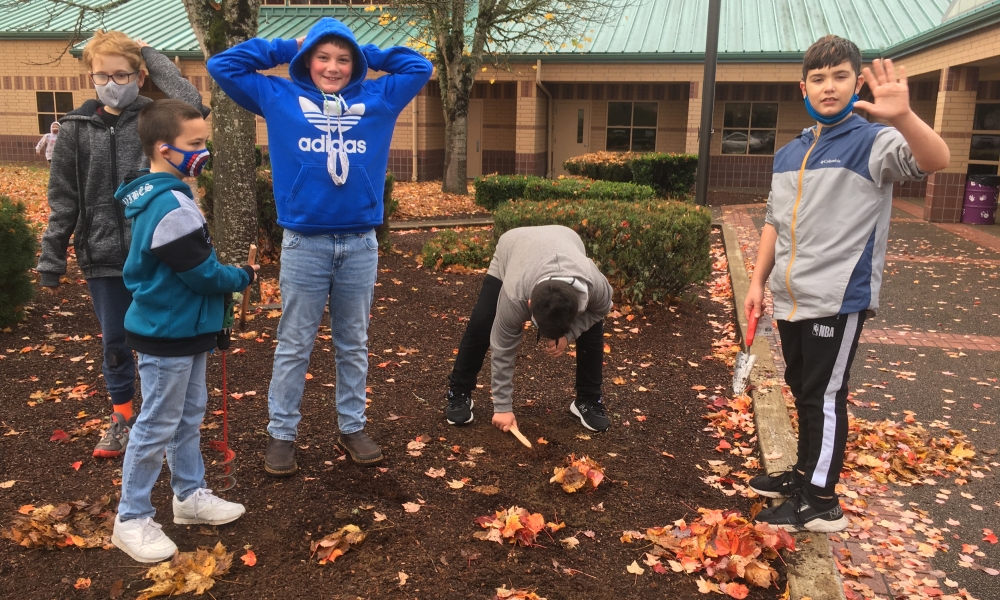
pixel 934 350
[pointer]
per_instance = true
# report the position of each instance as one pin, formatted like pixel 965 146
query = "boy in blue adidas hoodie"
pixel 178 294
pixel 329 130
pixel 824 237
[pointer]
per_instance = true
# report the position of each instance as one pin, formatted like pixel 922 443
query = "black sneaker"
pixel 799 514
pixel 459 411
pixel 591 414
pixel 777 485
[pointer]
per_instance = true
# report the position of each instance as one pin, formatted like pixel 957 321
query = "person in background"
pixel 48 142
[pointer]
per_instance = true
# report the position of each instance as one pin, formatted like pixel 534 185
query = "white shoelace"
pixel 331 154
pixel 149 529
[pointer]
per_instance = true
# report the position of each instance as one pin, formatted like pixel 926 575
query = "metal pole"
pixel 708 100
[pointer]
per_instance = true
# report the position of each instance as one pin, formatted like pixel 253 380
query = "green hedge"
pixel 648 250
pixel 668 174
pixel 494 190
pixel 541 189
pixel 19 242
pixel 472 249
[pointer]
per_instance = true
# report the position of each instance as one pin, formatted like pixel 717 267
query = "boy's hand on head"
pixel 141 43
pixel 556 348
pixel 891 92
pixel 504 421
pixel 299 41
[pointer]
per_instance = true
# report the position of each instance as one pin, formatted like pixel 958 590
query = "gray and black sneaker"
pixel 591 414
pixel 459 411
pixel 112 444
pixel 801 513
pixel 777 485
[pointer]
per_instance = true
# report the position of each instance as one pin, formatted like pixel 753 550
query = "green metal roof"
pixel 653 30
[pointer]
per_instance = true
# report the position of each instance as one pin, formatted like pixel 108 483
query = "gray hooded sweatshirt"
pixel 524 257
pixel 89 162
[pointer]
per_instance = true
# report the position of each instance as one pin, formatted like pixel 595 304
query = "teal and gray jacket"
pixel 178 286
pixel 830 201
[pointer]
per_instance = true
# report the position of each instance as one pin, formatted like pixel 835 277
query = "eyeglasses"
pixel 119 78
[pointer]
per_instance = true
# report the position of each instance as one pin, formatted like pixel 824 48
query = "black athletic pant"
pixel 818 355
pixel 476 341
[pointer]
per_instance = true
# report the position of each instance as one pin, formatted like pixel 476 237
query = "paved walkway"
pixel 931 354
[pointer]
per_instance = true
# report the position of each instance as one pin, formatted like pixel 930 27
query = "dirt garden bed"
pixel 655 455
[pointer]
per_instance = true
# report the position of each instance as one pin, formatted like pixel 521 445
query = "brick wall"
pixel 740 171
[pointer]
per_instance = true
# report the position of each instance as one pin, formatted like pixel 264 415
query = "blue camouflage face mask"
pixel 192 163
pixel 831 120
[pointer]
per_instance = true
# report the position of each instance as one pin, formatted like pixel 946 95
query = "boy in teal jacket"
pixel 178 299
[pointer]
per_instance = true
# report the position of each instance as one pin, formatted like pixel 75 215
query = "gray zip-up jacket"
pixel 830 201
pixel 524 257
pixel 89 162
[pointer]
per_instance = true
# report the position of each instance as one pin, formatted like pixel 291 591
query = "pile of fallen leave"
pixel 905 452
pixel 76 524
pixel 188 572
pixel 515 524
pixel 424 200
pixel 579 473
pixel 722 544
pixel 336 544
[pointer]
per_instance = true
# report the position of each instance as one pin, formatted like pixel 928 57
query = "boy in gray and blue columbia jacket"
pixel 824 242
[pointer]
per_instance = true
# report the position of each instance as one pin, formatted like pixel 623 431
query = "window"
pixel 51 107
pixel 632 126
pixel 749 127
pixel 985 146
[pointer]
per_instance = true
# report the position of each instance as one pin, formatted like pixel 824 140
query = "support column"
pixel 956 106
pixel 530 146
pixel 693 117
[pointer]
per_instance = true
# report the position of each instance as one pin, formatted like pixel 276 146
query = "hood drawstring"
pixel 332 155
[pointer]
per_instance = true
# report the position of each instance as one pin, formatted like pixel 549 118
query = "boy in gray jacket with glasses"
pixel 98 145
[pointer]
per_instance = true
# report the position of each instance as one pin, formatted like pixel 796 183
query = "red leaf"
pixel 736 590
pixel 989 536
pixel 58 435
pixel 76 466
pixel 249 559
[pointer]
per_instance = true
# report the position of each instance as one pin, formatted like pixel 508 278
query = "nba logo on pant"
pixel 824 331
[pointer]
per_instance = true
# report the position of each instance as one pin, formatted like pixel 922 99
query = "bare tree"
pixel 218 26
pixel 460 35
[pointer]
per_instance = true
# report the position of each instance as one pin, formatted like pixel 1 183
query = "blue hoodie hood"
pixel 298 70
pixel 329 152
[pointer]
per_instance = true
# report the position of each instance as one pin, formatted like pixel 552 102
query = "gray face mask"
pixel 118 96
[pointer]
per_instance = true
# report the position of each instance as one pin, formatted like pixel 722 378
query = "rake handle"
pixel 251 259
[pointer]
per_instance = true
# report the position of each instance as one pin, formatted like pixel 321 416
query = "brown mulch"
pixel 653 464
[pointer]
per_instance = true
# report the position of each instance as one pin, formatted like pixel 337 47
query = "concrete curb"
pixel 811 570
pixel 440 223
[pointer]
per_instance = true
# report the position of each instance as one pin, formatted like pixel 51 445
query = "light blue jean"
pixel 315 269
pixel 173 405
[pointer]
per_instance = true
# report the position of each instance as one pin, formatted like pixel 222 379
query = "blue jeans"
pixel 111 300
pixel 173 405
pixel 315 269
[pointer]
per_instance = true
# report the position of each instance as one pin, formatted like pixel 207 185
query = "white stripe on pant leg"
pixel 822 470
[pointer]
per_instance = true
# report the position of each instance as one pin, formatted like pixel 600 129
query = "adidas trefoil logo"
pixel 327 123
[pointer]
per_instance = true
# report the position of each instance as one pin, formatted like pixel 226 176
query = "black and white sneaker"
pixel 459 411
pixel 777 485
pixel 591 414
pixel 800 513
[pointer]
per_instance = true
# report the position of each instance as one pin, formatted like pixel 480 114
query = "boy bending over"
pixel 542 274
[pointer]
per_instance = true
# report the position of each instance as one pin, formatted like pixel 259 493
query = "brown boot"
pixel 279 458
pixel 363 450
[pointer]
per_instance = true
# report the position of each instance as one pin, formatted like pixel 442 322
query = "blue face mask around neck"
pixel 831 120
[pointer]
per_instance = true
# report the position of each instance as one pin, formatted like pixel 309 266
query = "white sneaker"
pixel 202 507
pixel 143 540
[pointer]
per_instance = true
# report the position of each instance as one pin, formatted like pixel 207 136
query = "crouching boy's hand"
pixel 556 347
pixel 504 421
